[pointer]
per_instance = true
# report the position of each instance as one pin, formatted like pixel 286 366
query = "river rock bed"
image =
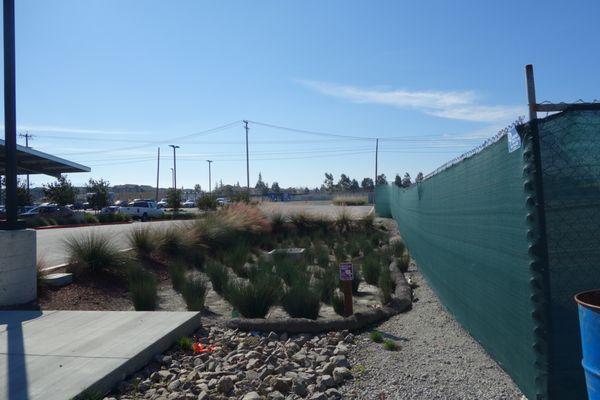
pixel 248 366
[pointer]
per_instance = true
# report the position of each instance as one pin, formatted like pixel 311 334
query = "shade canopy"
pixel 30 161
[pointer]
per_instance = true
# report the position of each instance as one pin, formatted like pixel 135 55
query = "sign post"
pixel 346 277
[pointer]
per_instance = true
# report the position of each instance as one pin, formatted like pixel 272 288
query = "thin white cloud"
pixel 70 130
pixel 461 105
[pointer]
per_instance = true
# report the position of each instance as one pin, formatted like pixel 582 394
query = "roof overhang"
pixel 30 161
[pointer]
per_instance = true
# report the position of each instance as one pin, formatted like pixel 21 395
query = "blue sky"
pixel 436 76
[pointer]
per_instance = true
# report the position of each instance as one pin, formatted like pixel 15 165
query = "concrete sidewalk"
pixel 56 355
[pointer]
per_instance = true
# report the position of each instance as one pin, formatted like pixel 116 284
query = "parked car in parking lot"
pixel 189 204
pixel 48 211
pixel 222 201
pixel 110 210
pixel 162 203
pixel 143 209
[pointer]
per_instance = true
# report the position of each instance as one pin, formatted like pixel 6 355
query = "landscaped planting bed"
pixel 219 263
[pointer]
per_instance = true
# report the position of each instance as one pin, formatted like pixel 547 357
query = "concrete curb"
pixel 401 301
pixel 140 360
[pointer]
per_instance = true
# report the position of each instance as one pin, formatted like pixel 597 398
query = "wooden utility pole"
pixel 247 161
pixel 174 165
pixel 209 177
pixel 27 136
pixel 157 173
pixel 376 157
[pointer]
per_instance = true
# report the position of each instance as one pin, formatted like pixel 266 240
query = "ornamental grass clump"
pixel 177 272
pixel 142 286
pixel 254 299
pixel 173 243
pixel 326 284
pixel 143 240
pixel 402 263
pixel 93 252
pixel 337 301
pixel 390 345
pixel 356 278
pixel 371 268
pixel 218 277
pixel 301 301
pixel 386 285
pixel 322 255
pixel 343 220
pixel 376 336
pixel 397 247
pixel 194 294
pixel 236 257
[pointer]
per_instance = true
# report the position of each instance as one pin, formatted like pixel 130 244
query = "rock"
pixel 300 389
pixel 283 385
pixel 340 361
pixel 340 374
pixel 328 368
pixel 272 336
pixel 318 396
pixel 203 396
pixel 174 385
pixel 275 395
pixel 225 384
pixel 326 380
pixel 333 394
pixel 251 396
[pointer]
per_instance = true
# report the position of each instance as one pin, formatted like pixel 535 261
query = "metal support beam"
pixel 10 117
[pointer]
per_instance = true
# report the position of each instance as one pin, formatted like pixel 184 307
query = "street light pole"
pixel 174 165
pixel 209 177
pixel 247 161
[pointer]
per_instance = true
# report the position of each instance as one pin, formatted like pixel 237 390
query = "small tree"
pixel 367 184
pixel 406 182
pixel 398 181
pixel 275 188
pixel 174 198
pixel 98 189
pixel 60 192
pixel 197 190
pixel 261 186
pixel 381 180
pixel 23 195
pixel 328 182
pixel 419 177
pixel 354 186
pixel 344 183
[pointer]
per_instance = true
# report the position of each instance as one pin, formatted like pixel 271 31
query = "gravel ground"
pixel 437 359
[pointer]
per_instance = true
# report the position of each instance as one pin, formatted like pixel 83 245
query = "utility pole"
pixel 209 177
pixel 157 173
pixel 27 136
pixel 376 157
pixel 247 161
pixel 10 117
pixel 174 165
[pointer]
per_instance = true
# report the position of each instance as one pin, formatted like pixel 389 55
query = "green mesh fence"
pixel 570 155
pixel 473 230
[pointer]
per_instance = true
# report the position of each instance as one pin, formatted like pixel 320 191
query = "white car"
pixel 143 209
pixel 162 203
pixel 189 204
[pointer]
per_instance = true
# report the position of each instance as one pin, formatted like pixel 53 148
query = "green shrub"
pixel 301 301
pixel 177 273
pixel 287 269
pixel 322 255
pixel 252 300
pixel 397 248
pixel 142 286
pixel 343 221
pixel 386 285
pixel 350 200
pixel 402 263
pixel 185 343
pixel 235 258
pixel 340 253
pixel 376 336
pixel 368 222
pixel 278 224
pixel 337 301
pixel 218 277
pixel 390 345
pixel 194 294
pixel 143 240
pixel 352 249
pixel 173 243
pixel 207 203
pixel 328 281
pixel 90 218
pixel 371 268
pixel 93 251
pixel 113 217
pixel 356 278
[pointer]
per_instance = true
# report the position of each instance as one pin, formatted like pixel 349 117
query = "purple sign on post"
pixel 346 273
